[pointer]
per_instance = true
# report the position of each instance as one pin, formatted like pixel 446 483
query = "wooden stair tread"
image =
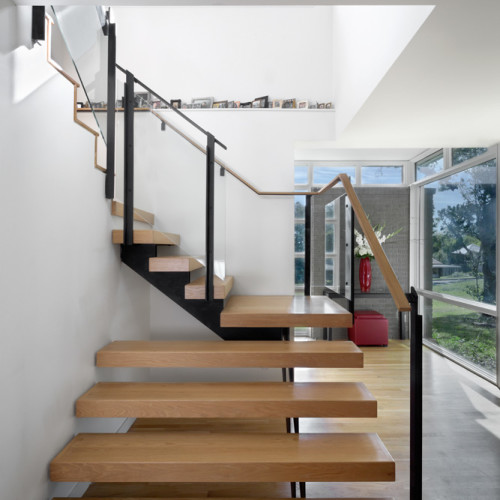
pixel 174 264
pixel 117 208
pixel 212 457
pixel 283 312
pixel 214 498
pixel 148 237
pixel 264 354
pixel 227 400
pixel 196 289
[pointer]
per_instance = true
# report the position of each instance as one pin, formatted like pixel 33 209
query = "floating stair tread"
pixel 265 354
pixel 204 498
pixel 283 311
pixel 196 289
pixel 148 237
pixel 174 264
pixel 227 400
pixel 117 208
pixel 212 457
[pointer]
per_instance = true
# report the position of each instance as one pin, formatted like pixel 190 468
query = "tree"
pixel 473 219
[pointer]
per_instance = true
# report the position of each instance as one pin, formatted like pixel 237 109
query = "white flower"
pixel 363 248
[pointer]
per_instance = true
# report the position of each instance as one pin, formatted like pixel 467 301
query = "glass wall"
pixel 466 333
pixel 458 254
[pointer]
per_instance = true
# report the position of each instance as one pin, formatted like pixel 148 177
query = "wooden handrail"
pixel 198 146
pixel 388 274
pixel 390 278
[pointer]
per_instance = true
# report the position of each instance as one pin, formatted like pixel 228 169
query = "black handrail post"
pixel 209 235
pixel 349 257
pixel 415 399
pixel 110 127
pixel 128 219
pixel 307 247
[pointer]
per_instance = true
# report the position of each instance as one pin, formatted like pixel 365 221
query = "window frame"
pixel 417 251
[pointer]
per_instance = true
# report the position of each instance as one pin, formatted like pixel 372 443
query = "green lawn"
pixel 469 334
pixel 461 289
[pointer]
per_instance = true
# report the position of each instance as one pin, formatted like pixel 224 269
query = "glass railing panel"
pixel 119 138
pixel 170 178
pixel 81 30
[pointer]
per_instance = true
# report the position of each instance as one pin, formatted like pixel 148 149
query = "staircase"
pixel 255 330
pixel 149 457
pixel 256 333
pixel 243 317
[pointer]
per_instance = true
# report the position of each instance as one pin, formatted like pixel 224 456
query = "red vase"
pixel 365 274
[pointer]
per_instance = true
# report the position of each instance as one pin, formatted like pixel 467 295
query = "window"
pixel 301 175
pixel 458 241
pixel 464 233
pixel 467 334
pixel 429 166
pixel 459 155
pixel 323 175
pixel 381 175
pixel 330 250
pixel 300 209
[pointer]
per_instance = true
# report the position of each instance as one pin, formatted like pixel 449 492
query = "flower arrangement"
pixel 363 248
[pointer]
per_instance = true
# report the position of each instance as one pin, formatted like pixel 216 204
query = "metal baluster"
pixel 209 237
pixel 110 114
pixel 128 220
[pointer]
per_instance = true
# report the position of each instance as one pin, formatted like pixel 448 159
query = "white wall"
pixel 235 53
pixel 63 291
pixel 258 241
pixel 258 230
pixel 367 41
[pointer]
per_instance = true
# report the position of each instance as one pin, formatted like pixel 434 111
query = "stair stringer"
pixel 172 285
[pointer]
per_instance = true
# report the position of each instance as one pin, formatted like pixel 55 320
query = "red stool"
pixel 370 328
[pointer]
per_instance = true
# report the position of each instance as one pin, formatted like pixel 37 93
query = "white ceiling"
pixel 444 89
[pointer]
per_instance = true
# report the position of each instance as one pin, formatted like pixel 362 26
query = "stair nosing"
pixel 227 400
pixel 202 457
pixel 264 354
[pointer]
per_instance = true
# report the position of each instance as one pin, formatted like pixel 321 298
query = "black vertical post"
pixel 209 236
pixel 110 127
pixel 307 248
pixel 351 251
pixel 415 399
pixel 128 219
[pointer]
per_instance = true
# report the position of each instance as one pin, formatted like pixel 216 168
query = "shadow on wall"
pixel 24 68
